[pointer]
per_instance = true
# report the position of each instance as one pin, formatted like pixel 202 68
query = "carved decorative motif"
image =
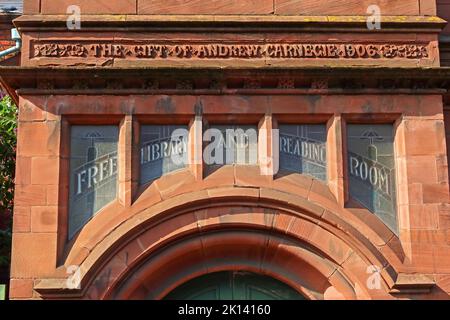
pixel 151 84
pixel 217 84
pixel 287 83
pixel 185 85
pixel 158 51
pixel 46 84
pixel 80 84
pixel 252 84
pixel 114 84
pixel 319 84
pixel 228 81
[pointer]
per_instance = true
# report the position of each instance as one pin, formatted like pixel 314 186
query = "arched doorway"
pixel 164 247
pixel 234 285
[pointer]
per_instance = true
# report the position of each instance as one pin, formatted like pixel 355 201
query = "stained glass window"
pixel 303 149
pixel 371 168
pixel 163 150
pixel 14 6
pixel 93 172
pixel 229 144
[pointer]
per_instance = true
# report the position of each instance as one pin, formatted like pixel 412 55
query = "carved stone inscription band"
pixel 149 50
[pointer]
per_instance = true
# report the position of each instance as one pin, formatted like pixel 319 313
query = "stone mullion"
pixel 336 158
pixel 126 150
pixel 402 187
pixel 268 148
pixel 195 147
pixel 136 156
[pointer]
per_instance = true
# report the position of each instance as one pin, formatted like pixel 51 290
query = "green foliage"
pixel 8 125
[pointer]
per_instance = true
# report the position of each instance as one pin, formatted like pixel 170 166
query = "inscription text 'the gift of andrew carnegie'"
pixel 232 51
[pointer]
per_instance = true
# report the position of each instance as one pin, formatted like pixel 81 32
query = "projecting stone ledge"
pixel 199 20
pixel 57 287
pixel 412 283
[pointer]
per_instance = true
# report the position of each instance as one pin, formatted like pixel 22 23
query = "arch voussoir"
pixel 278 218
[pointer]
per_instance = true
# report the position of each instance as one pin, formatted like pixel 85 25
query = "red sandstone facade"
pixel 139 62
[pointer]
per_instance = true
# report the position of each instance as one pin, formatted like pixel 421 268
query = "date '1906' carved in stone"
pixel 231 51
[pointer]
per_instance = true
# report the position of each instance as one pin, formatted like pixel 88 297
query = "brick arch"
pixel 338 254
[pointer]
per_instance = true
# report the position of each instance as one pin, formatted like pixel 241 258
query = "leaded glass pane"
pixel 93 172
pixel 371 168
pixel 14 6
pixel 231 144
pixel 163 150
pixel 303 149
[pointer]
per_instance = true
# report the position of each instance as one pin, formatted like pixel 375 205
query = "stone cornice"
pixel 198 80
pixel 247 23
pixel 56 288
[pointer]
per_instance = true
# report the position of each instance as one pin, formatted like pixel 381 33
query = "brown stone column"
pixel 422 184
pixel 34 253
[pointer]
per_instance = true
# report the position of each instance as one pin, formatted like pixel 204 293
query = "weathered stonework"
pixel 149 50
pixel 260 69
